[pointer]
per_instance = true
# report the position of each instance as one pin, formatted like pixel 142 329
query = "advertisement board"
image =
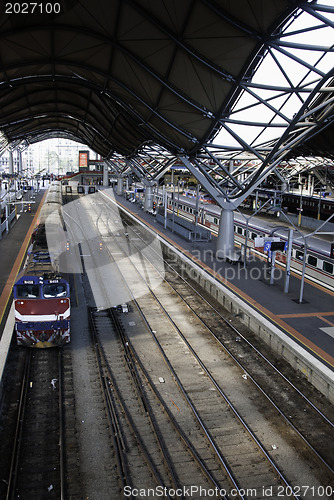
pixel 83 160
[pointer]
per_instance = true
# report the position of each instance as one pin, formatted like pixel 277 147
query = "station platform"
pixel 310 324
pixel 13 247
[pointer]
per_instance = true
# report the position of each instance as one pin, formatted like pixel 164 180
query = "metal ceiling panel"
pixel 121 73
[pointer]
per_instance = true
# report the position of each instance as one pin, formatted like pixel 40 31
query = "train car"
pixel 319 264
pixel 316 207
pixel 41 292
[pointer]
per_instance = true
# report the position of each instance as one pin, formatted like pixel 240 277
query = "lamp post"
pixel 247 223
pixel 165 208
pixel 300 206
pixel 304 238
pixel 286 286
pixel 288 261
pixel 288 256
pixel 173 214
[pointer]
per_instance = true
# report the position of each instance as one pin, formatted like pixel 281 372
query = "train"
pixel 319 207
pixel 319 262
pixel 41 291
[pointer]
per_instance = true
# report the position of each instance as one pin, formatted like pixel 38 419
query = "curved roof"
pixel 117 75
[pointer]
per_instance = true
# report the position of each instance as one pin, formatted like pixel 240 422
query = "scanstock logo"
pixel 90 235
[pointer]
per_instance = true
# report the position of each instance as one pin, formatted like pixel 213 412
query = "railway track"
pixel 37 461
pixel 149 444
pixel 147 432
pixel 300 415
pixel 214 398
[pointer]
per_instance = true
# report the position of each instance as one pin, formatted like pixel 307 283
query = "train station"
pixel 167 283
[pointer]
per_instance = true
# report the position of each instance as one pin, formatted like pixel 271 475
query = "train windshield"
pixel 55 290
pixel 27 291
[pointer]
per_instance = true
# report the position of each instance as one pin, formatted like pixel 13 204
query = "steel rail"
pixel 117 437
pixel 171 416
pixel 61 428
pixel 216 385
pixel 240 365
pixel 135 375
pixel 103 362
pixel 187 443
pixel 18 430
pixel 231 326
pixel 195 413
pixel 18 436
pixel 306 441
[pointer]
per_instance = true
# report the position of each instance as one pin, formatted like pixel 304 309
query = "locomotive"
pixel 41 291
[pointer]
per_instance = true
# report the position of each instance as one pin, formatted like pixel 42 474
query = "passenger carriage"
pixel 319 264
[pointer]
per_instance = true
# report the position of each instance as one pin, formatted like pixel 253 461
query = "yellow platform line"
pixel 306 315
pixel 6 293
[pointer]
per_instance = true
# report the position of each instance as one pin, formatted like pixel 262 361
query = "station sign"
pixel 272 244
pixel 280 246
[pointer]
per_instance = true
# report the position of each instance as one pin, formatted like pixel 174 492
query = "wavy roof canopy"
pixel 118 74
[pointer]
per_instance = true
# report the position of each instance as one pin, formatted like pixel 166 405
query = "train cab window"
pixel 313 261
pixel 327 267
pixel 27 291
pixel 239 230
pixel 54 290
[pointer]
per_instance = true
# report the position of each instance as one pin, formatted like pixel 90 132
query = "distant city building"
pixel 57 156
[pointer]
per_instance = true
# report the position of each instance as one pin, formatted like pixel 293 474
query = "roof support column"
pixel 285 187
pixel 105 175
pixel 119 190
pixel 19 166
pixel 225 241
pixel 11 163
pixel 148 202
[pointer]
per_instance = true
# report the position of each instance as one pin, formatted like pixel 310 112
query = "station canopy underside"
pixel 179 78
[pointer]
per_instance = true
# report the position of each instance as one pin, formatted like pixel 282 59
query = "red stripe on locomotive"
pixel 42 307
